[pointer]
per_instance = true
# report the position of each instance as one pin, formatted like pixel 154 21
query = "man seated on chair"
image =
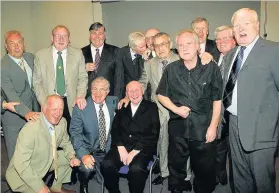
pixel 135 132
pixel 35 154
pixel 90 131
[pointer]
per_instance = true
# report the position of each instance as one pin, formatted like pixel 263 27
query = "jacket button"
pixel 130 135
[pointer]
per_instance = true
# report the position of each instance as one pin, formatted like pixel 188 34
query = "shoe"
pixel 158 180
pixel 83 188
pixel 188 186
pixel 65 191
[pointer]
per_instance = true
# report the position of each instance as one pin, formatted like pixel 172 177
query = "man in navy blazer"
pixel 86 130
pixel 107 53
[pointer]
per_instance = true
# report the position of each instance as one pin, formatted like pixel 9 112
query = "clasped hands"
pixel 125 157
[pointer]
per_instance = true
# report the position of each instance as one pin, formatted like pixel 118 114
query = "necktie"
pixel 60 79
pixel 21 65
pixel 232 78
pixel 164 63
pixel 102 128
pixel 97 58
pixel 54 153
pixel 136 58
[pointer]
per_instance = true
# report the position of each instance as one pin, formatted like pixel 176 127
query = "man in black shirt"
pixel 192 92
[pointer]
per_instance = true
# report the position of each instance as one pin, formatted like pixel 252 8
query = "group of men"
pixel 210 99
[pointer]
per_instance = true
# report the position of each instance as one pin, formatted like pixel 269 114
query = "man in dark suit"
pixel 129 62
pixel 135 131
pixel 16 79
pixel 99 57
pixel 200 26
pixel 86 129
pixel 225 42
pixel 251 90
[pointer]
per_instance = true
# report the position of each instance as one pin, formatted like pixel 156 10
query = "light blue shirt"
pixel 49 126
pixel 26 66
pixel 233 108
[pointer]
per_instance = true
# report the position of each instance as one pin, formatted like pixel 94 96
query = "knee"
pixel 136 168
pixel 83 171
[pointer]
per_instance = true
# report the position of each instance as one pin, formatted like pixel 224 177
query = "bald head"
pixel 149 34
pixel 134 92
pixel 53 109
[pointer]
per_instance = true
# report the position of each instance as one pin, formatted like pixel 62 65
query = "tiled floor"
pixel 95 188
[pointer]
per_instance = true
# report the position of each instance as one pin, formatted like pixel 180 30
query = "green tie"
pixel 60 80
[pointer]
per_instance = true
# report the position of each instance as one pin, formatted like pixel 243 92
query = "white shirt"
pixel 106 113
pixel 202 47
pixel 55 56
pixel 93 51
pixel 233 108
pixel 26 66
pixel 134 108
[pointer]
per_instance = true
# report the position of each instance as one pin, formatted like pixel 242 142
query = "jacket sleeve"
pixel 145 76
pixel 76 132
pixel 22 159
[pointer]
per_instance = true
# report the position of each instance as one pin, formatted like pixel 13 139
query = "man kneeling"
pixel 35 153
pixel 135 131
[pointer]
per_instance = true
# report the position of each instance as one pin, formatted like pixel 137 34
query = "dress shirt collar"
pixel 93 48
pixel 54 50
pixel 16 60
pixel 49 125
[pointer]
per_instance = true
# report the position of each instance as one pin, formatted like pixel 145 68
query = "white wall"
pixel 37 19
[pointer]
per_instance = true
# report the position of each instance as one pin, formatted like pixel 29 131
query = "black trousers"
pixel 253 171
pixel 66 113
pixel 85 174
pixel 137 174
pixel 203 163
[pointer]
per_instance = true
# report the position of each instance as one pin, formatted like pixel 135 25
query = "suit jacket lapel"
pixel 141 109
pixel 70 58
pixel 110 109
pixel 18 70
pixel 256 50
pixel 50 67
pixel 45 130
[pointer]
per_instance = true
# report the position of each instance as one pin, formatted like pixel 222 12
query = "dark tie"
pixel 136 58
pixel 102 128
pixel 164 63
pixel 97 58
pixel 227 100
pixel 60 79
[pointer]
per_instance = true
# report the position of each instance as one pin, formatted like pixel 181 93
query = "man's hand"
pixel 81 102
pixel 182 111
pixel 123 153
pixel 90 67
pixel 10 106
pixel 124 101
pixel 206 58
pixel 130 157
pixel 45 190
pixel 210 134
pixel 32 116
pixel 74 162
pixel 88 161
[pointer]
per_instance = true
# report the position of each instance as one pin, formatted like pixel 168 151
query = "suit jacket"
pixel 33 155
pixel 16 87
pixel 84 127
pixel 258 112
pixel 106 67
pixel 139 132
pixel 152 75
pixel 126 70
pixel 44 80
pixel 210 47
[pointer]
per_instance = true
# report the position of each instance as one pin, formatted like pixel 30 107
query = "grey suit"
pixel 16 87
pixel 151 74
pixel 84 130
pixel 254 131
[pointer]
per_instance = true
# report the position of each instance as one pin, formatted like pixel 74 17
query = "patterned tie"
pixel 97 59
pixel 227 100
pixel 164 63
pixel 54 153
pixel 60 79
pixel 136 58
pixel 102 128
pixel 21 65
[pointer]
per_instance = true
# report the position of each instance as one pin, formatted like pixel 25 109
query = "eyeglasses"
pixel 162 45
pixel 102 90
pixel 57 36
pixel 224 39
